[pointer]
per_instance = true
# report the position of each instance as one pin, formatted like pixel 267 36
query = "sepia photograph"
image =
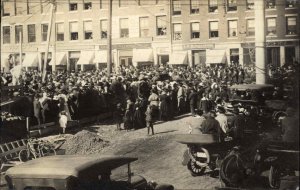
pixel 149 94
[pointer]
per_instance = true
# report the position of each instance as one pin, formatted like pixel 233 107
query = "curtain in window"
pixel 73 27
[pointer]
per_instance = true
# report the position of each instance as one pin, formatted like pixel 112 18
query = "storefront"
pixel 60 61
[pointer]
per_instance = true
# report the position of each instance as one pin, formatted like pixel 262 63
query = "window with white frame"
pixel 250 4
pixel 88 30
pixel 87 5
pixel 195 6
pixel 270 4
pixel 232 28
pixel 21 8
pixel 291 25
pixel 73 6
pixel 6 34
pixel 18 31
pixel 290 3
pixel 73 30
pixel 33 7
pixel 103 29
pixel 232 5
pixel 177 32
pixel 144 26
pixel 8 8
pixel 44 32
pixel 195 30
pixel 271 26
pixel 212 6
pixel 250 27
pixel 213 29
pixel 60 32
pixel 31 33
pixel 161 25
pixel 176 7
pixel 124 29
pixel 103 4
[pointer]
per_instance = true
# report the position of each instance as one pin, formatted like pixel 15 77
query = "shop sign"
pixel 198 46
pixel 127 46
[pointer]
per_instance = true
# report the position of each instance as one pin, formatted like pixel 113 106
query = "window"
pixel 31 33
pixel 123 3
pixel 144 27
pixel 250 4
pixel 60 32
pixel 33 7
pixel 18 30
pixel 8 8
pixel 21 8
pixel 195 30
pixel 177 32
pixel 290 3
pixel 6 34
pixel 44 32
pixel 250 27
pixel 146 2
pixel 234 56
pixel 291 27
pixel 124 30
pixel 159 2
pixel 176 7
pixel 87 5
pixel 270 4
pixel 73 31
pixel 45 6
pixel 73 7
pixel 103 29
pixel 232 5
pixel 214 29
pixel 213 6
pixel 161 25
pixel 232 28
pixel 88 30
pixel 103 4
pixel 271 26
pixel 195 4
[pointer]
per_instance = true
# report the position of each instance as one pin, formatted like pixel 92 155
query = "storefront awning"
pixel 31 60
pixel 178 58
pixel 61 59
pixel 100 56
pixel 142 55
pixel 215 56
pixel 86 58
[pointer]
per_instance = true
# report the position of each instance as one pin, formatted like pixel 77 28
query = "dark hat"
pixel 221 109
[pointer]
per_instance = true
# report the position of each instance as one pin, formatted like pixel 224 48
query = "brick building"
pixel 155 32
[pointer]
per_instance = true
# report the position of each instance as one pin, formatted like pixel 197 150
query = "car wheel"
pixel 164 187
pixel 195 169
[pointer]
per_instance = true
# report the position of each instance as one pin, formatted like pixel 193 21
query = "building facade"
pixel 181 32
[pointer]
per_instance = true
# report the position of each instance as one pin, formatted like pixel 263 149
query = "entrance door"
pixel 199 57
pixel 163 59
pixel 273 56
pixel 125 61
pixel 289 55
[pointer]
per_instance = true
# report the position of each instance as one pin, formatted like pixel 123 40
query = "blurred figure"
pixel 290 126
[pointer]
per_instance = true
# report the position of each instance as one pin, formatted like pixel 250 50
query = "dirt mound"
pixel 84 142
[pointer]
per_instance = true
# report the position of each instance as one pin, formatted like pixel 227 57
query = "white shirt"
pixel 222 119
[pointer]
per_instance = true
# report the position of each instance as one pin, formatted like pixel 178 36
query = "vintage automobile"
pixel 78 172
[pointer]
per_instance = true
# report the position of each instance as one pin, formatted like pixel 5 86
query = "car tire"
pixel 164 187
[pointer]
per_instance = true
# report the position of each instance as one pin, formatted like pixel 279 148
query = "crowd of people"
pixel 137 96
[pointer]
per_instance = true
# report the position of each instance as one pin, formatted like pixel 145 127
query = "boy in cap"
pixel 118 115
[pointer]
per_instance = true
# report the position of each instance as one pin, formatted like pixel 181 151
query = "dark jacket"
pixel 210 126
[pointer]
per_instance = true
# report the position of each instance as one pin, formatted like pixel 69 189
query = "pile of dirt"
pixel 84 142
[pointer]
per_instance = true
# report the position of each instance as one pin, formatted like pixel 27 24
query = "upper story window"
pixel 87 5
pixel 232 28
pixel 176 7
pixel 250 27
pixel 18 33
pixel 146 2
pixel 177 35
pixel 8 8
pixel 144 26
pixel 73 6
pixel 103 4
pixel 45 7
pixel 195 30
pixel 31 33
pixel 195 6
pixel 250 4
pixel 123 3
pixel 21 8
pixel 291 25
pixel 44 32
pixel 160 2
pixel 161 25
pixel 270 4
pixel 212 6
pixel 33 7
pixel 73 31
pixel 124 29
pixel 232 5
pixel 6 34
pixel 213 29
pixel 271 26
pixel 60 32
pixel 290 3
pixel 103 29
pixel 88 30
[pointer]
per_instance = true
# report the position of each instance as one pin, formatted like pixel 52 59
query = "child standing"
pixel 63 120
pixel 149 119
pixel 119 113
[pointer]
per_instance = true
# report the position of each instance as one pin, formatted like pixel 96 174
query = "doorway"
pixel 125 61
pixel 163 59
pixel 273 56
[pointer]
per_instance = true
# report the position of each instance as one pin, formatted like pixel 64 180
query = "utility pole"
pixel 52 2
pixel 109 28
pixel 260 40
